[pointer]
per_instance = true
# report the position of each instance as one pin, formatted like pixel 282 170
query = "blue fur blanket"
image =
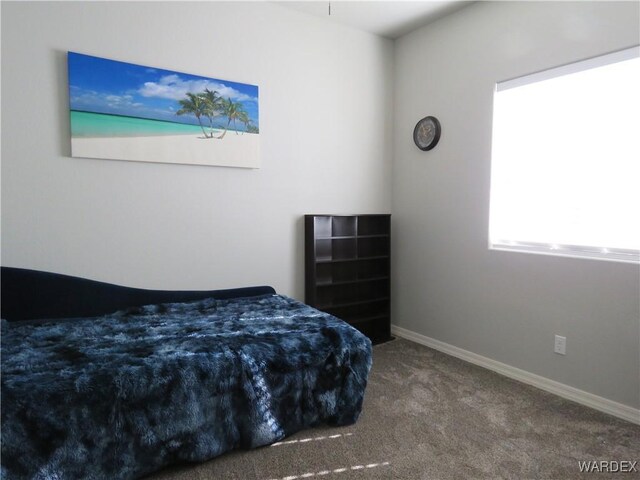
pixel 119 396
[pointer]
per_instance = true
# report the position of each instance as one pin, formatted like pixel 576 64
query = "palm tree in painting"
pixel 244 118
pixel 240 114
pixel 213 102
pixel 233 111
pixel 194 105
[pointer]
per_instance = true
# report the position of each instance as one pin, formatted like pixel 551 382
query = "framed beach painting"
pixel 123 111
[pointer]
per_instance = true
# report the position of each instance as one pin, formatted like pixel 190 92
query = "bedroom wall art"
pixel 123 111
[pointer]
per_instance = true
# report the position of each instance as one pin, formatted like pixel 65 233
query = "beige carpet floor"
pixel 431 416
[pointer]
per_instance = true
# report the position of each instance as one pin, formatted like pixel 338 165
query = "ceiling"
pixel 390 19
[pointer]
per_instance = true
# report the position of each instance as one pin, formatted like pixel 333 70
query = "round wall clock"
pixel 427 133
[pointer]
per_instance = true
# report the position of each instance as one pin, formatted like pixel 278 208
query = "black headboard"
pixel 32 294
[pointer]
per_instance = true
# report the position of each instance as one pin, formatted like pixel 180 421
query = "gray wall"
pixel 447 284
pixel 325 108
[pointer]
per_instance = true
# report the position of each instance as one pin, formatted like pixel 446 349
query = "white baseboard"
pixel 579 396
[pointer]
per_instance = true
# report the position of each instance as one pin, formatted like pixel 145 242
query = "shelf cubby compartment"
pixel 374 308
pixel 343 226
pixel 334 304
pixel 360 309
pixel 376 268
pixel 373 246
pixel 330 295
pixel 338 272
pixel 378 330
pixel 373 225
pixel 373 290
pixel 335 249
pixel 322 226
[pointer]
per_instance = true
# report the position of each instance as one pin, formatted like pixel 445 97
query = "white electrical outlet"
pixel 560 345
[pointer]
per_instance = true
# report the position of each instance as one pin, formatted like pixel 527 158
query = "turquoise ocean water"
pixel 88 124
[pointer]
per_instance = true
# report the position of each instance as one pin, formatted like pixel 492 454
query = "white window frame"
pixel 573 251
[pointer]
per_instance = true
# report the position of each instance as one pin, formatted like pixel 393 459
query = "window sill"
pixel 619 256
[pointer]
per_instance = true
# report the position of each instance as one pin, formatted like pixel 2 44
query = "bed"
pixel 119 395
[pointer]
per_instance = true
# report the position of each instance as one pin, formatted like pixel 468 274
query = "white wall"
pixel 447 284
pixel 325 121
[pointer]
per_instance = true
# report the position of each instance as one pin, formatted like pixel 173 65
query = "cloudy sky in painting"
pixel 106 86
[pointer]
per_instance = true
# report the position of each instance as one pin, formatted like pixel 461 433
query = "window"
pixel 565 166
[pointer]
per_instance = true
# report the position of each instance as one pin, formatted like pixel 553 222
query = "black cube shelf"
pixel 347 270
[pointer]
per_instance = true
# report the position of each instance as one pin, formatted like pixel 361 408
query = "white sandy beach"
pixel 234 150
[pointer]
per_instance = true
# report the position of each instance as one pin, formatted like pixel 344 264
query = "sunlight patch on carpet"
pixel 335 470
pixel 312 439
